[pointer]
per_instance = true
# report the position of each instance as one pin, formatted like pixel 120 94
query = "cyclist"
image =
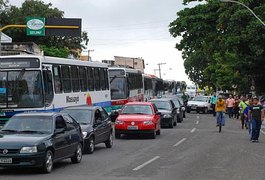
pixel 220 109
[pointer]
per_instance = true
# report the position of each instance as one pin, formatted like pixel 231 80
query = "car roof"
pixel 83 107
pixel 37 114
pixel 139 103
pixel 162 99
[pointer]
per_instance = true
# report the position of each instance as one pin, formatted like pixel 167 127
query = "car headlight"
pixel 84 134
pixel 119 122
pixel 32 149
pixel 148 122
pixel 167 116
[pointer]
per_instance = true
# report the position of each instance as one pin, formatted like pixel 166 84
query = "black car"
pixel 39 140
pixel 168 111
pixel 96 125
pixel 180 108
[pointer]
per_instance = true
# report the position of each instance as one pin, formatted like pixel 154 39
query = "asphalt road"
pixel 192 150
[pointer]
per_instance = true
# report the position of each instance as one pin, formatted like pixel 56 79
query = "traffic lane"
pixel 118 161
pixel 208 154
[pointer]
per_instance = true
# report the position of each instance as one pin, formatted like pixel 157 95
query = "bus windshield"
pixel 21 89
pixel 118 88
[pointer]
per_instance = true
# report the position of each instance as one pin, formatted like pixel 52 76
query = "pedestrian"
pixel 247 121
pixel 236 107
pixel 242 106
pixel 230 102
pixel 213 103
pixel 220 110
pixel 256 114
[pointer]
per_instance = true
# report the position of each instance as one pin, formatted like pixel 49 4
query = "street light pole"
pixel 159 68
pixel 237 2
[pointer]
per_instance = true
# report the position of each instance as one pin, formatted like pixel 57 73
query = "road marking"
pixel 262 131
pixel 146 163
pixel 198 117
pixel 181 141
pixel 197 122
pixel 193 130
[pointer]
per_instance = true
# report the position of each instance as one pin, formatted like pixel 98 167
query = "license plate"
pixel 132 127
pixel 5 160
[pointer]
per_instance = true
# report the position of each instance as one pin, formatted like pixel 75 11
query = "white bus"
pixel 40 83
pixel 126 85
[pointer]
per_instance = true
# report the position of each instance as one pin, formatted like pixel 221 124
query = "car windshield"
pixel 117 88
pixel 162 105
pixel 137 109
pixel 200 98
pixel 176 103
pixel 21 89
pixel 34 124
pixel 82 116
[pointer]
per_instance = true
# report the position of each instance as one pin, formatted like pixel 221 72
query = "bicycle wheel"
pixel 220 127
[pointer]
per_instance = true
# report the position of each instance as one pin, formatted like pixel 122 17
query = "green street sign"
pixel 35 26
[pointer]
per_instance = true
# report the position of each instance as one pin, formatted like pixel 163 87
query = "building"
pixel 135 63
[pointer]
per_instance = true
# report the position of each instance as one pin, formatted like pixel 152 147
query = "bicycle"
pixel 219 120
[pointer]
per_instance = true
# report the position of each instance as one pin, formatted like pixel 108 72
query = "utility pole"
pixel 159 68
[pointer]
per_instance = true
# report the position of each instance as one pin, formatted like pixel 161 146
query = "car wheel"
pixel 158 132
pixel 198 111
pixel 78 154
pixel 153 134
pixel 48 162
pixel 117 135
pixel 91 146
pixel 109 142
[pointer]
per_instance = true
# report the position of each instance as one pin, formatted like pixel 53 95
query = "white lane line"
pixel 181 141
pixel 198 117
pixel 262 132
pixel 146 163
pixel 193 130
pixel 197 122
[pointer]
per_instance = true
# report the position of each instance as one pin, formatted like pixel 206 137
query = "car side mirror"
pixel 59 131
pixel 158 113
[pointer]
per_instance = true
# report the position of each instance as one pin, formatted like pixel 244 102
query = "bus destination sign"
pixel 19 63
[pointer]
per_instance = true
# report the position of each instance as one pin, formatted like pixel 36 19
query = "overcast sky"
pixel 131 28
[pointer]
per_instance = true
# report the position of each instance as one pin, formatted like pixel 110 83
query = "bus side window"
pixel 90 74
pixel 57 79
pixel 47 77
pixel 107 79
pixel 75 79
pixel 66 79
pixel 83 78
pixel 102 79
pixel 97 79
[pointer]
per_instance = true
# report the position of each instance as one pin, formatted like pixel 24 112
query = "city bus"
pixel 41 83
pixel 126 85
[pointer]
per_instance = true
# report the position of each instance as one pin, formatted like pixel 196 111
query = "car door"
pixel 98 127
pixel 106 124
pixel 73 134
pixel 61 138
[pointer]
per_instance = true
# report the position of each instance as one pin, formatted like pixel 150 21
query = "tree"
pixel 36 8
pixel 222 44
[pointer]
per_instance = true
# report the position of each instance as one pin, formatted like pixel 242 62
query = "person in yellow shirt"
pixel 220 109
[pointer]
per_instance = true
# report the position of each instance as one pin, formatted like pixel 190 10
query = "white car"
pixel 200 104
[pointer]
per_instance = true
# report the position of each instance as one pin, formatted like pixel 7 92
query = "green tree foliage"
pixel 37 8
pixel 222 44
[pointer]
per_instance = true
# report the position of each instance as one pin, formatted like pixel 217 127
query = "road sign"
pixel 35 26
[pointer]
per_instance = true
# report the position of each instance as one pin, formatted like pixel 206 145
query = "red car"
pixel 138 117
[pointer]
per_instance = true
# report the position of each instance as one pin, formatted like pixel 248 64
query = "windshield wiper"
pixel 9 130
pixel 31 131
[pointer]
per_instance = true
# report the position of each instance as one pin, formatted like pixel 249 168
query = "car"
pixel 200 104
pixel 138 117
pixel 95 124
pixel 168 111
pixel 40 140
pixel 180 108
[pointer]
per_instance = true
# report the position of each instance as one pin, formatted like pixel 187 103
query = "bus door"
pixel 47 85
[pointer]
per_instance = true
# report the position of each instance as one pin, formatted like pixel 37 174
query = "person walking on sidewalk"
pixel 230 102
pixel 247 121
pixel 213 102
pixel 256 114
